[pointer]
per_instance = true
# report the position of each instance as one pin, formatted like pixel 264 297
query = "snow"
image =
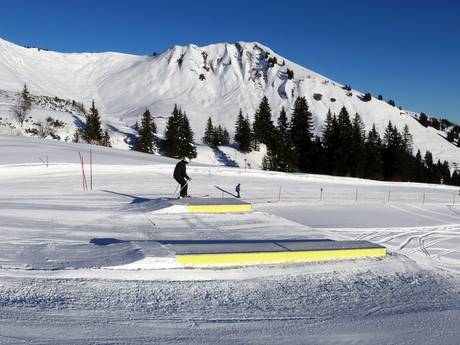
pixel 237 76
pixel 81 267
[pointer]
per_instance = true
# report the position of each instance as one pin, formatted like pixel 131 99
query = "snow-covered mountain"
pixel 215 80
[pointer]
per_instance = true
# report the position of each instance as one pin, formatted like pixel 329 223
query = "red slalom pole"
pixel 85 184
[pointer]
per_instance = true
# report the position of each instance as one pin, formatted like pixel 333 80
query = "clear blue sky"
pixel 406 50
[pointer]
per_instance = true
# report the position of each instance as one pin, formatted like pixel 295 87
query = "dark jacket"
pixel 180 171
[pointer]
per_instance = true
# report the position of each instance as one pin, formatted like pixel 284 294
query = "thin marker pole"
pixel 91 169
pixel 82 178
pixel 85 184
pixel 356 195
pixel 279 194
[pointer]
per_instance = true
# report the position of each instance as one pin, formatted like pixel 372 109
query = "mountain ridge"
pixel 214 80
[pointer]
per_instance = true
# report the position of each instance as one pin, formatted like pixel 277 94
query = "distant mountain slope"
pixel 215 80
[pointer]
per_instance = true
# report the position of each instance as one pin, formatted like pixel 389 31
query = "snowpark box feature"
pixel 234 253
pixel 214 205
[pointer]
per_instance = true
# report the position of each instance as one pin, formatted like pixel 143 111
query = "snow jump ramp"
pixel 235 253
pixel 213 205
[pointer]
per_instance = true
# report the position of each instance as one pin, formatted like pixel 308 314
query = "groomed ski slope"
pixel 57 285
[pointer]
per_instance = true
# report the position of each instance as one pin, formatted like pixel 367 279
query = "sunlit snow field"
pixel 57 285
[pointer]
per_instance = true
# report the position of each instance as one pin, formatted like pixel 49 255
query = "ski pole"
pixel 175 191
pixel 180 191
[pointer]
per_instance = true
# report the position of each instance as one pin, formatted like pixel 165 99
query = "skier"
pixel 237 190
pixel 180 175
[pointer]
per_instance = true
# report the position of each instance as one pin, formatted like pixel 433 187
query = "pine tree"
pixel 428 159
pixel 239 127
pixel 92 133
pixel 451 136
pixel 455 180
pixel 420 169
pixel 407 142
pixel 329 139
pixel 344 138
pixel 225 137
pixel 246 139
pixel 186 145
pixel 171 142
pixel 358 136
pixel 263 124
pixel 23 105
pixel 445 172
pixel 284 142
pixel 373 155
pixel 278 155
pixel 209 133
pixel 428 162
pixel 367 97
pixel 26 99
pixel 393 154
pixel 300 131
pixel 106 139
pixel 218 135
pixel 146 133
pixel 317 156
pixel 423 119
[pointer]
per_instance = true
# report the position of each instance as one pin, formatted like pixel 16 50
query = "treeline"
pixel 453 130
pixel 344 148
pixel 178 138
pixel 215 136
